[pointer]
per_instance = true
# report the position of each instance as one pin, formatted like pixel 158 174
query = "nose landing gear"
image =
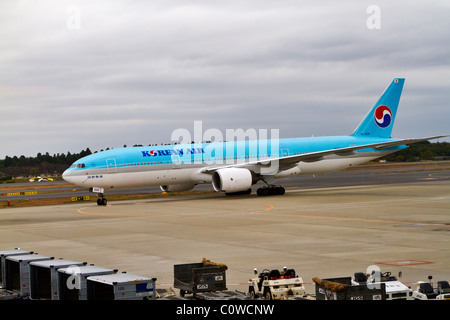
pixel 101 201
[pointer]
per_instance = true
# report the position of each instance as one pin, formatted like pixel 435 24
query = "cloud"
pixel 100 74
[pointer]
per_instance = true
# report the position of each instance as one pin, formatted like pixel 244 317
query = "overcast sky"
pixel 98 74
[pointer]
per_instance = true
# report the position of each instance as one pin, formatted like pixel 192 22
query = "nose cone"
pixel 66 176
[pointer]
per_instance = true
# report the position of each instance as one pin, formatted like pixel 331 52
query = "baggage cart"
pixel 121 286
pixel 72 281
pixel 199 277
pixel 44 277
pixel 6 253
pixel 17 272
pixel 342 289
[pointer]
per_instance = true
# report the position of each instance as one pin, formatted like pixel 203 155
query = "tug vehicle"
pixel 276 285
pixel 395 290
pixel 426 291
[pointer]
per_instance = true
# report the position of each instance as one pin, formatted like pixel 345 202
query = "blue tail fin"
pixel 380 120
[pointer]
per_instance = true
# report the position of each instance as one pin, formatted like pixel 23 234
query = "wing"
pixel 288 161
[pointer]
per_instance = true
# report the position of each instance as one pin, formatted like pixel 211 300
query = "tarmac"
pixel 320 232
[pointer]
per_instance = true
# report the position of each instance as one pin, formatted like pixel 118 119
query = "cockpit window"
pixel 78 166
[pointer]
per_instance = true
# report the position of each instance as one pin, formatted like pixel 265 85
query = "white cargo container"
pixel 6 253
pixel 17 272
pixel 121 286
pixel 44 277
pixel 72 281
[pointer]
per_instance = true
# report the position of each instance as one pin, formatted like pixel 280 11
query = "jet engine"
pixel 232 180
pixel 177 187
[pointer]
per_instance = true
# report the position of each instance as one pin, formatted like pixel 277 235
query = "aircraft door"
pixel 176 161
pixel 111 165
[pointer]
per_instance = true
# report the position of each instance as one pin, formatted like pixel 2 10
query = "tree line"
pixel 55 164
pixel 421 151
pixel 42 164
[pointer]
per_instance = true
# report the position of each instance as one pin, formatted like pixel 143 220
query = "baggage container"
pixel 72 281
pixel 6 253
pixel 342 289
pixel 198 277
pixel 44 277
pixel 121 286
pixel 17 272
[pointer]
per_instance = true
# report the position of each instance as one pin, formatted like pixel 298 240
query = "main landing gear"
pixel 270 190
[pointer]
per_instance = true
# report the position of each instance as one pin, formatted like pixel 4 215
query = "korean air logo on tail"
pixel 383 116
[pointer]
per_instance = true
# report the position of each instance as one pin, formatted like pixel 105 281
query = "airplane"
pixel 233 167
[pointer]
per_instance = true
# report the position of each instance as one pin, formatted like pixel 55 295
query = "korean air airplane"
pixel 233 167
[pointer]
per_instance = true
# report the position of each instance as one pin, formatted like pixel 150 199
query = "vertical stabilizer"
pixel 380 120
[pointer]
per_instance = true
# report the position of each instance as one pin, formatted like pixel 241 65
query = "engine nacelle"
pixel 232 180
pixel 177 187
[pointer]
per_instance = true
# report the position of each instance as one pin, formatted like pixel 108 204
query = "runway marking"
pixel 271 206
pixel 404 263
pixel 357 219
pixel 432 176
pixel 100 214
pixel 81 210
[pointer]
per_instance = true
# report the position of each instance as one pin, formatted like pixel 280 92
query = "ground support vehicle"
pixel 273 284
pixel 193 278
pixel 395 290
pixel 344 289
pixel 426 291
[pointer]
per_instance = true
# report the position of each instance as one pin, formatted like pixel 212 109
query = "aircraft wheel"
pixel 280 191
pixel 267 294
pixel 269 191
pixel 102 201
pixel 262 192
